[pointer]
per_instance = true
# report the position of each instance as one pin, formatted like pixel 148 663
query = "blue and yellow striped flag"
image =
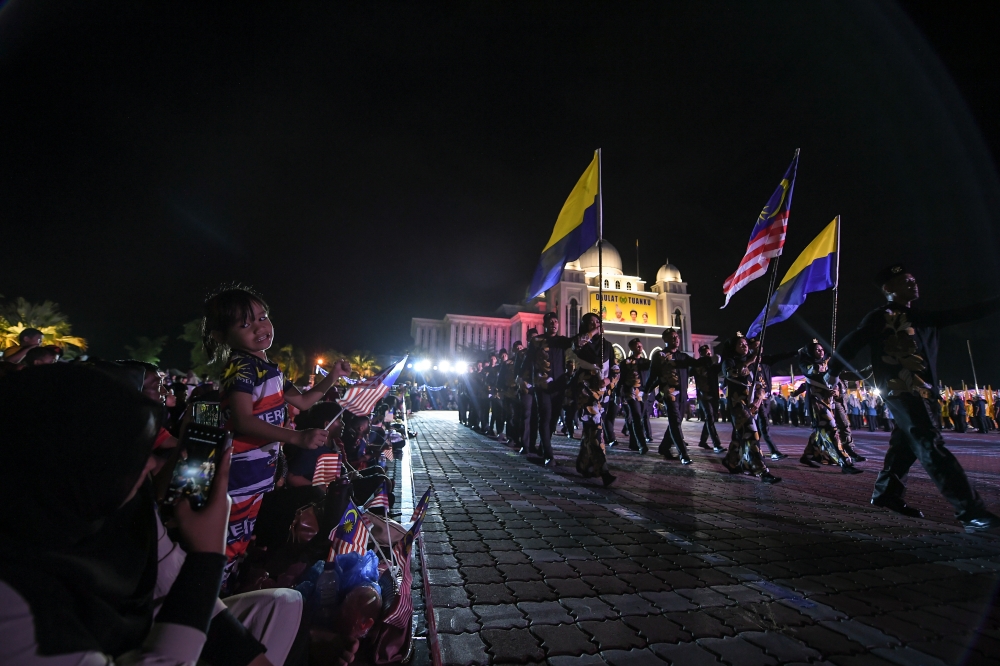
pixel 576 231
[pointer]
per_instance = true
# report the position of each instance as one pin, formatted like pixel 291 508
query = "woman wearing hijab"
pixel 87 572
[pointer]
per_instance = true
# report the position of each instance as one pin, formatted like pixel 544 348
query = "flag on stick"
pixel 351 535
pixel 814 270
pixel 380 500
pixel 421 508
pixel 401 615
pixel 361 398
pixel 576 231
pixel 327 469
pixel 768 235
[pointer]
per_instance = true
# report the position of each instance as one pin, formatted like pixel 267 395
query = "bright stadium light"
pixel 444 366
pixel 422 365
pixel 461 366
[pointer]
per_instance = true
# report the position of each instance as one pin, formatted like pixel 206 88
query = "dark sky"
pixel 364 163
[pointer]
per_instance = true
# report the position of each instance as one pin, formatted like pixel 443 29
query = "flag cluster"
pixel 768 236
pixel 361 398
pixel 328 468
pixel 380 500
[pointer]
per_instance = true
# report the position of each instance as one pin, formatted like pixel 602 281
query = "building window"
pixel 677 320
pixel 628 286
pixel 618 284
pixel 605 284
pixel 574 317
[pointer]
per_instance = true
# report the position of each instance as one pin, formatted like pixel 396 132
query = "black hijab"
pixel 74 442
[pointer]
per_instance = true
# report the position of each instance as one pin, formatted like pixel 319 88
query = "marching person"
pixel 765 374
pixel 510 404
pixel 824 441
pixel 903 343
pixel 546 364
pixel 630 387
pixel 526 396
pixel 669 372
pixel 706 381
pixel 592 387
pixel 744 446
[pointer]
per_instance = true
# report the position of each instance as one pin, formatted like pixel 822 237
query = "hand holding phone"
pixel 202 447
pixel 205 530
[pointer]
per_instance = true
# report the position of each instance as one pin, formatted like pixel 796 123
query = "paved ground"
pixel 689 565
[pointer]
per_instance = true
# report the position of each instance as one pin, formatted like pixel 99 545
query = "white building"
pixel 629 311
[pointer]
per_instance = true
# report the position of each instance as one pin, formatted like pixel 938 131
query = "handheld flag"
pixel 327 469
pixel 411 534
pixel 576 231
pixel 814 270
pixel 380 500
pixel 387 454
pixel 768 235
pixel 361 398
pixel 421 508
pixel 402 614
pixel 351 535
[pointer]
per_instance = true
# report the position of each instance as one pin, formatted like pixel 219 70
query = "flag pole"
pixel 600 255
pixel 836 286
pixel 973 364
pixel 763 330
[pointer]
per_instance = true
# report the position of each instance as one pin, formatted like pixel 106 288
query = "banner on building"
pixel 625 307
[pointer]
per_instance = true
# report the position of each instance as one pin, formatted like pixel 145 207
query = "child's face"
pixel 254 335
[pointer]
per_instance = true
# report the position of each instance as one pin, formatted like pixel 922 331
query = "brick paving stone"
pixel 563 639
pixel 737 618
pixel 456 620
pixel 545 612
pixel 570 587
pixel 449 597
pixel 734 650
pixel 590 608
pixel 700 625
pixel 908 655
pixel 635 657
pixel 531 591
pixel 590 568
pixel 519 572
pixel 657 629
pixel 556 570
pixel 480 575
pixel 782 647
pixel 513 645
pixel 861 633
pixel 630 604
pixel 510 557
pixel 613 635
pixel 463 650
pixel 826 641
pixel 706 597
pixel 582 660
pixel 668 601
pixel 684 654
pixel 543 556
pixel 476 559
pixel 500 616
pixel 608 584
pixel 896 627
pixel 490 594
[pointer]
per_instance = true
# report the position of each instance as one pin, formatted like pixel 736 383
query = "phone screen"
pixel 194 473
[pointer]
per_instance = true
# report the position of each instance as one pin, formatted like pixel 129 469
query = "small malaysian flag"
pixel 361 398
pixel 402 614
pixel 351 535
pixel 380 500
pixel 388 454
pixel 328 469
pixel 768 235
pixel 421 508
pixel 411 534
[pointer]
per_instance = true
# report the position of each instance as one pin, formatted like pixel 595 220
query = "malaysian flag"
pixel 388 454
pixel 421 508
pixel 411 534
pixel 361 398
pixel 380 500
pixel 402 614
pixel 351 535
pixel 327 469
pixel 768 235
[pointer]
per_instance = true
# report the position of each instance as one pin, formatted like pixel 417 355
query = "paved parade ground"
pixel 689 565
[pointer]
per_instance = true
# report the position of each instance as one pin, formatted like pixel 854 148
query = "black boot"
pixel 607 478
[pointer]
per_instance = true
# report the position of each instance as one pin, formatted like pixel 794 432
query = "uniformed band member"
pixel 669 372
pixel 764 371
pixel 547 366
pixel 591 387
pixel 840 415
pixel 824 443
pixel 744 446
pixel 491 378
pixel 706 381
pixel 509 398
pixel 903 344
pixel 526 396
pixel 630 391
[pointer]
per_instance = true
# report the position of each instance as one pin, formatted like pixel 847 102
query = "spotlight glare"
pixel 444 366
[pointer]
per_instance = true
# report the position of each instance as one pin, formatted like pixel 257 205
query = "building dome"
pixel 668 273
pixel 612 262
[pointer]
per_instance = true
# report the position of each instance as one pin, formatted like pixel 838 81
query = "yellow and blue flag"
pixel 576 231
pixel 814 270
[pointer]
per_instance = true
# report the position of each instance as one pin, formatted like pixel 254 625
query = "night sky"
pixel 364 163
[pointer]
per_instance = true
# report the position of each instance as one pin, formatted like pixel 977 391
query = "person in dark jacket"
pixel 546 364
pixel 903 343
pixel 824 444
pixel 706 381
pixel 745 398
pixel 630 389
pixel 765 373
pixel 669 372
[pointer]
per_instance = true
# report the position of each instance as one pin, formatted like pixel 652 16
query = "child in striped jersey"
pixel 237 330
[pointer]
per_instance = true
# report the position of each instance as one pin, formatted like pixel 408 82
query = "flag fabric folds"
pixel 361 398
pixel 327 469
pixel 814 270
pixel 380 500
pixel 421 506
pixel 768 235
pixel 575 232
pixel 401 615
pixel 351 535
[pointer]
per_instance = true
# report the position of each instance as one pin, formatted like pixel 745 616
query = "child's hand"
pixel 311 439
pixel 342 368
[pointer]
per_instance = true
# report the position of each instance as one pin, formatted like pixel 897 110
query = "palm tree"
pixel 147 350
pixel 45 316
pixel 292 362
pixel 201 365
pixel 363 364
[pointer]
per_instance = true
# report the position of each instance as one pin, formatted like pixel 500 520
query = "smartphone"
pixel 201 447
